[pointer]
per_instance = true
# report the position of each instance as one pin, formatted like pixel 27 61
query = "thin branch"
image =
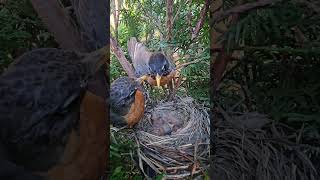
pixel 169 19
pixel 311 5
pixel 116 49
pixel 188 63
pixel 313 51
pixel 203 15
pixel 189 19
pixel 116 15
pixel 176 87
pixel 300 37
pixel 156 21
pixel 177 13
pixel 241 8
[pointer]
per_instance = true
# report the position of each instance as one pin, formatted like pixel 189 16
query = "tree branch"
pixel 240 9
pixel 176 87
pixel 121 57
pixel 219 66
pixel 310 5
pixel 177 13
pixel 156 21
pixel 169 19
pixel 203 15
pixel 59 24
pixel 116 17
pixel 180 66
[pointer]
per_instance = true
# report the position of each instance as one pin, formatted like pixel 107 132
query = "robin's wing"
pixel 122 93
pixel 140 56
pixel 40 102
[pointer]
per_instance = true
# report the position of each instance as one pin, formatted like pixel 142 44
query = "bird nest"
pixel 173 138
pixel 252 146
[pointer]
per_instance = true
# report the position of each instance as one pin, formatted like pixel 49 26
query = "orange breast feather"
pixel 137 109
pixel 85 155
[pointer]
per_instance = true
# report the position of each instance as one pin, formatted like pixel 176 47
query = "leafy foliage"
pixel 121 154
pixel 146 20
pixel 278 72
pixel 21 30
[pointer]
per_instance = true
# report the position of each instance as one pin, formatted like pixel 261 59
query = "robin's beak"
pixel 158 78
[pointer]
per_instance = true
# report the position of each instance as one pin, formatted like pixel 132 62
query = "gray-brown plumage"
pixel 127 100
pixel 40 101
pixel 155 68
pixel 140 56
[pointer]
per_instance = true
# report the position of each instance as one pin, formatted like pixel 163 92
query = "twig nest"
pixel 174 138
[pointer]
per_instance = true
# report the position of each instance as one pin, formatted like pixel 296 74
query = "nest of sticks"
pixel 173 138
pixel 252 146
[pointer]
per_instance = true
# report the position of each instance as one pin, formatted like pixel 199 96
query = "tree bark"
pixel 116 17
pixel 59 24
pixel 116 49
pixel 218 63
pixel 169 19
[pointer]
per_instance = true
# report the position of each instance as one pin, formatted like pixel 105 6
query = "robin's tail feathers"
pixel 137 50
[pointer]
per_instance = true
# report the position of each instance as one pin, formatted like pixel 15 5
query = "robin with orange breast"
pixel 52 125
pixel 155 68
pixel 127 101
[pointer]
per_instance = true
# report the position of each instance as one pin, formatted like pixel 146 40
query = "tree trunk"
pixel 169 24
pixel 219 62
pixel 169 19
pixel 121 57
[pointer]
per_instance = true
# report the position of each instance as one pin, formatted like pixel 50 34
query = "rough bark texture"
pixel 116 17
pixel 169 19
pixel 59 24
pixel 122 59
pixel 220 62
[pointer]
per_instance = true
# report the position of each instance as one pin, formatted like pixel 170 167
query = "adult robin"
pixel 155 68
pixel 127 102
pixel 51 125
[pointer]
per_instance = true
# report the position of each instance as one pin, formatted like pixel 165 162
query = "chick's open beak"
pixel 158 78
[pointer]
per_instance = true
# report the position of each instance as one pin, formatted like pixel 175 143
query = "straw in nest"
pixel 248 149
pixel 174 138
